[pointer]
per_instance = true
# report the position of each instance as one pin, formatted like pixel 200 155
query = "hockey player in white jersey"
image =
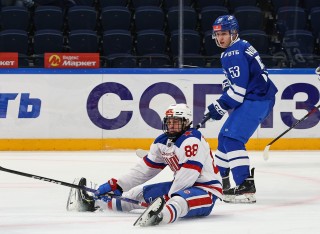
pixel 196 183
pixel 249 95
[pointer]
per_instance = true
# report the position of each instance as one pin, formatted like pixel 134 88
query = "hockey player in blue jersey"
pixel 192 192
pixel 250 95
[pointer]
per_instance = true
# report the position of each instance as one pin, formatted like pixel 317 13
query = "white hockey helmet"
pixel 177 111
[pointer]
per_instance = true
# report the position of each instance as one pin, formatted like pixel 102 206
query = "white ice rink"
pixel 288 196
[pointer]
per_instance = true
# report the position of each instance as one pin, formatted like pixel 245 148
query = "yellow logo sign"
pixel 54 60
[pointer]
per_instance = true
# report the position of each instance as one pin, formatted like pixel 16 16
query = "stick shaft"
pixel 70 185
pixel 299 121
pixel 204 120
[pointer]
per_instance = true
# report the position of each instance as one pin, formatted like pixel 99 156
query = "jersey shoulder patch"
pixel 192 132
pixel 162 139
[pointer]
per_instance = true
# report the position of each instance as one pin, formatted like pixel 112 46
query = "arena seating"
pixel 138 33
pixel 48 17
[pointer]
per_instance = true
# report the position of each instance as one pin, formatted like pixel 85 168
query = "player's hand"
pixel 216 112
pixel 111 187
pixel 225 85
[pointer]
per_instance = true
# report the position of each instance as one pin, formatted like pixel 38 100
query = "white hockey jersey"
pixel 189 157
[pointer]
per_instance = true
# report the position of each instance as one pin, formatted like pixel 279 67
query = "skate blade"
pixel 247 198
pixel 145 219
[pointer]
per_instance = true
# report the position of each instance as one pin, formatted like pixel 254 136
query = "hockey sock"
pixel 238 159
pixel 222 163
pixel 221 158
pixel 176 207
pixel 118 205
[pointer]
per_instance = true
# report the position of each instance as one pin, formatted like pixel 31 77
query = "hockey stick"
pixel 141 152
pixel 203 121
pixel 266 149
pixel 143 204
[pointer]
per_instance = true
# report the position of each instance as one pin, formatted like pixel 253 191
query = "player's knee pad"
pixel 231 144
pixel 135 193
pixel 221 143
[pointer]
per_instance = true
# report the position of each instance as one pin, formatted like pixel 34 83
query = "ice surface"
pixel 288 196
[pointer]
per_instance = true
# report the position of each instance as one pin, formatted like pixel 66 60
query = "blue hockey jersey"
pixel 247 75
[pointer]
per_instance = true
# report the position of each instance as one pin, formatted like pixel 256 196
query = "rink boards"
pixel 99 109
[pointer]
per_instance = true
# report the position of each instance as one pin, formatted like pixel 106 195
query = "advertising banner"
pixel 9 60
pixel 71 60
pixel 131 105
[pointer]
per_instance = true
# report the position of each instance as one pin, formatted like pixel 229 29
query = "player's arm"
pixel 144 170
pixel 147 168
pixel 238 73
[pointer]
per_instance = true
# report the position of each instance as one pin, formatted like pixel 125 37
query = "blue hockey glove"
pixel 111 187
pixel 216 111
pixel 225 85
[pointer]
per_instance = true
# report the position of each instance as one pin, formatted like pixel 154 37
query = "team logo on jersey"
pixel 188 133
pixel 172 161
pixel 186 191
pixel 231 53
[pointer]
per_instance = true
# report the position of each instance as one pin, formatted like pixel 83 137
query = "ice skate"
pixel 244 193
pixel 151 216
pixel 80 200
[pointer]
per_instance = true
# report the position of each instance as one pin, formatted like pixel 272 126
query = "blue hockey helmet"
pixel 225 23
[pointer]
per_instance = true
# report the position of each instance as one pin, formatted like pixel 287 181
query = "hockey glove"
pixel 111 187
pixel 225 85
pixel 216 112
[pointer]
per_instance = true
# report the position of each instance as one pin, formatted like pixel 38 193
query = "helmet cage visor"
pixel 173 126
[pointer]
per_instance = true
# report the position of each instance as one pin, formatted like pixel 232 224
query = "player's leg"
pixel 186 203
pixel 237 130
pixel 240 167
pixel 115 204
pixel 221 160
pixel 238 159
pixel 146 194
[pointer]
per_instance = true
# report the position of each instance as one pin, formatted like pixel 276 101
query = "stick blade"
pixel 266 153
